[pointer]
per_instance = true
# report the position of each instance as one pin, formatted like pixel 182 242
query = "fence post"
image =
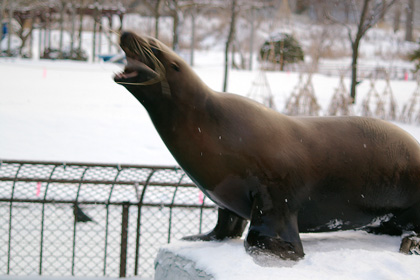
pixel 75 220
pixel 9 248
pixel 124 237
pixel 41 250
pixel 139 206
pixel 171 207
pixel 107 218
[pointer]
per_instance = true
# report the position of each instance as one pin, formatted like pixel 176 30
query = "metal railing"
pixel 85 219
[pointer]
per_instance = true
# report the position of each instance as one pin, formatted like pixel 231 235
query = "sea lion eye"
pixel 175 66
pixel 155 50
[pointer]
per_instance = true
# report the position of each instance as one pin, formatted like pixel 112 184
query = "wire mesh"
pixel 67 219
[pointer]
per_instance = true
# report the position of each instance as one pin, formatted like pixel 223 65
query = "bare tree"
pixel 81 8
pixel 73 25
pixel 62 8
pixel 254 12
pixel 397 16
pixel 193 12
pixel 25 31
pixel 231 34
pixel 155 8
pixel 11 8
pixel 322 42
pixel 248 9
pixel 367 16
pixel 3 4
pixel 409 20
pixel 176 11
pixel 95 29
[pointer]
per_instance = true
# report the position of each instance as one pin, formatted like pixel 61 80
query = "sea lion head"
pixel 151 66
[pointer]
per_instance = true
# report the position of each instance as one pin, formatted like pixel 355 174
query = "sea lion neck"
pixel 183 105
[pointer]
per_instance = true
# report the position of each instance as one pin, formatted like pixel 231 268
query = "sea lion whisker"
pixel 109 29
pixel 142 51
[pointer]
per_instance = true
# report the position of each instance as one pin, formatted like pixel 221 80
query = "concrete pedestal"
pixel 170 265
pixel 336 255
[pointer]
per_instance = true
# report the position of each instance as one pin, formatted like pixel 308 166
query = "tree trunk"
pixel 251 38
pixel 95 27
pixel 355 49
pixel 31 40
pixel 157 15
pixel 79 48
pixel 355 55
pixel 347 13
pixel 110 34
pixel 397 16
pixel 192 47
pixel 121 22
pixel 157 26
pixel 48 30
pixel 9 28
pixel 24 36
pixel 2 8
pixel 175 31
pixel 409 21
pixel 100 34
pixel 45 34
pixel 233 63
pixel 60 46
pixel 73 28
pixel 383 12
pixel 40 33
pixel 229 41
pixel 300 6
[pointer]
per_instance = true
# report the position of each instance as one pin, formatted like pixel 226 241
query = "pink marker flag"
pixel 200 197
pixel 38 188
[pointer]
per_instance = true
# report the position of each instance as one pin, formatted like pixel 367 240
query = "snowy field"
pixel 71 111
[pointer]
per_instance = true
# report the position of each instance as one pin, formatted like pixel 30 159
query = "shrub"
pixel 281 49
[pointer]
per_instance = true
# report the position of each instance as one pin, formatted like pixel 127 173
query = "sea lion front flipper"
pixel 273 231
pixel 229 225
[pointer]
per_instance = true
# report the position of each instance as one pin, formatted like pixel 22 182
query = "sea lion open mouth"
pixel 143 67
pixel 132 69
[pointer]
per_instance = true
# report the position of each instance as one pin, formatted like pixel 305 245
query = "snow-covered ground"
pixel 72 111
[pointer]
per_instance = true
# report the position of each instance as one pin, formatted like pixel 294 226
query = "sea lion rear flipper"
pixel 229 225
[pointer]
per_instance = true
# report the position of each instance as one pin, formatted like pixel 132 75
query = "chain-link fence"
pixel 94 219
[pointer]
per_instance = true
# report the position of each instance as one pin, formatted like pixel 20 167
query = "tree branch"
pixel 375 16
pixel 333 20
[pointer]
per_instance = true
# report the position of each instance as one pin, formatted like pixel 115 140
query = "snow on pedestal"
pixel 335 255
